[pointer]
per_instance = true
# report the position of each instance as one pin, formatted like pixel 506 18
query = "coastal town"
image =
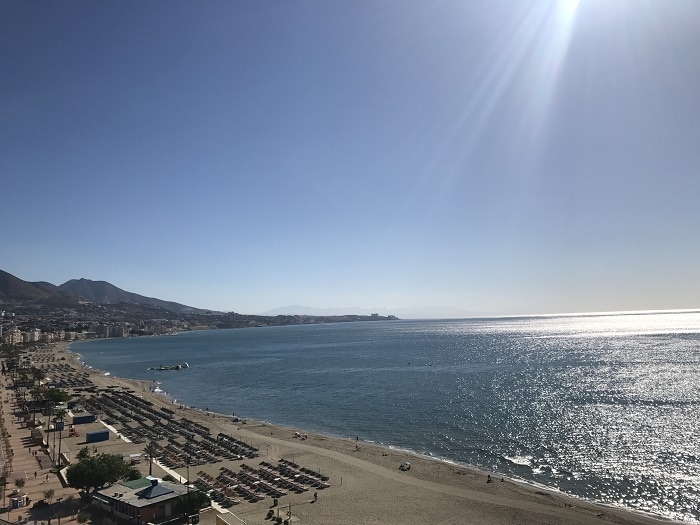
pixel 33 326
pixel 16 329
pixel 80 309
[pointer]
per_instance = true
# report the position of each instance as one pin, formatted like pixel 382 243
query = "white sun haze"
pixel 522 69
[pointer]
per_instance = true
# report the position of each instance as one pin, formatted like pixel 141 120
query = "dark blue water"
pixel 602 407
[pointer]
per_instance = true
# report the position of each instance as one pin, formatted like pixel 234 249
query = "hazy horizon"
pixel 417 312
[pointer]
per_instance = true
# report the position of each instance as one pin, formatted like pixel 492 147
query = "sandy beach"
pixel 365 484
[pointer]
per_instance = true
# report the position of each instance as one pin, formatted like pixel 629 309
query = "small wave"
pixel 525 461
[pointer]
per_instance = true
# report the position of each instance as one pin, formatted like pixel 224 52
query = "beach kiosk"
pixel 18 499
pixel 38 436
pixel 144 500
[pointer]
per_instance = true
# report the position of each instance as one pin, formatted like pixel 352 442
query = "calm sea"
pixel 604 407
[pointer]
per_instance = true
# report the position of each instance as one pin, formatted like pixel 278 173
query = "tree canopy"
pixel 190 503
pixel 56 396
pixel 94 472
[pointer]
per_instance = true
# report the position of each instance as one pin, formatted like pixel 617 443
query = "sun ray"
pixel 506 111
pixel 548 58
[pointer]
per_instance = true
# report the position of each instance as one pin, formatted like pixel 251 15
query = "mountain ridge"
pixel 74 292
pixel 106 293
pixel 15 290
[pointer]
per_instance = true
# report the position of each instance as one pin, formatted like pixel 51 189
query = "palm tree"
pixel 11 360
pixel 60 414
pixel 38 374
pixel 151 451
pixel 37 400
pixel 52 398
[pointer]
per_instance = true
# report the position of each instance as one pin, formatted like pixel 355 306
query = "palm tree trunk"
pixel 60 438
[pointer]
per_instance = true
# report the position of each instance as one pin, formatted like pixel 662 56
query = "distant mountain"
pixel 15 290
pixel 106 293
pixel 312 310
pixel 80 302
pixel 47 287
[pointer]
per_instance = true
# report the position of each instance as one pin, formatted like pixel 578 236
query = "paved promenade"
pixel 31 463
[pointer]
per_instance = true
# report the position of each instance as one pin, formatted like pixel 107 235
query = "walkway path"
pixel 30 463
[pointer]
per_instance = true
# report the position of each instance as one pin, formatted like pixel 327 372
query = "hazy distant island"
pixel 82 308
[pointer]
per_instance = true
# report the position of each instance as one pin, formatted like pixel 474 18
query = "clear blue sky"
pixel 495 156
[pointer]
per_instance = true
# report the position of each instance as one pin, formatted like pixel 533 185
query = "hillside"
pixel 106 293
pixel 14 291
pixel 78 302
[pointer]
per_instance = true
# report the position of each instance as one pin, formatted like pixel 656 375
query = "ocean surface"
pixel 603 407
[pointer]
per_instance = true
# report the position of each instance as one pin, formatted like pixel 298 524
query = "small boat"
pixel 170 367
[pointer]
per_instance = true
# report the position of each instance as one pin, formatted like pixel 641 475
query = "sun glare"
pixel 521 71
pixel 569 7
pixel 530 62
pixel 548 55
